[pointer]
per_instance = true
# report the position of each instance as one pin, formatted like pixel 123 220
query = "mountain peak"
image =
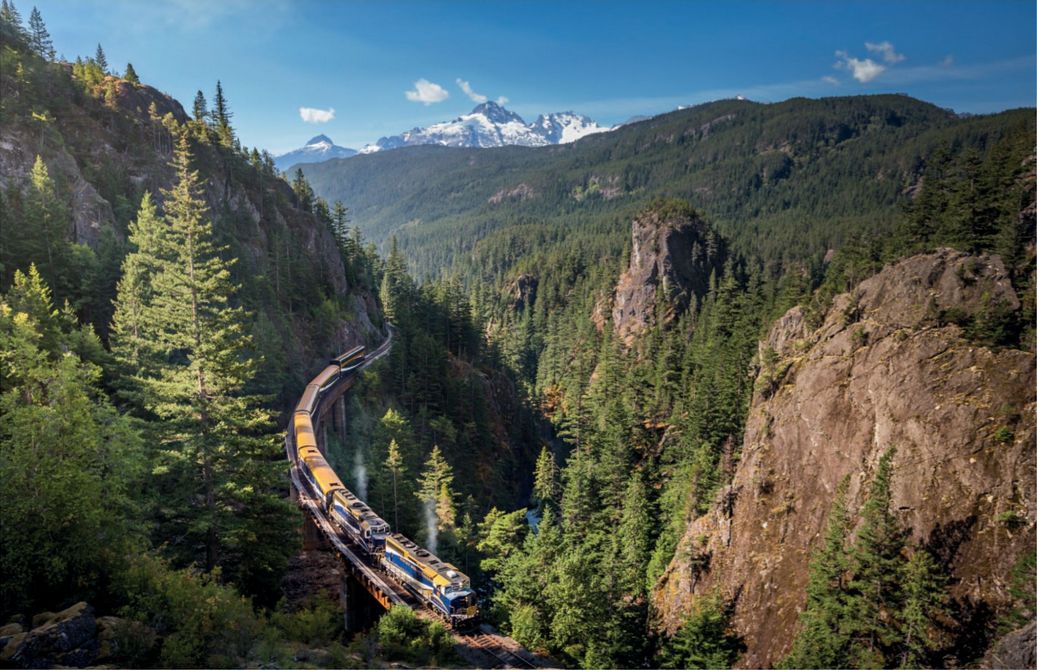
pixel 496 113
pixel 319 148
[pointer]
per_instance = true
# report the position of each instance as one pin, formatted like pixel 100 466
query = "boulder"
pixel 67 638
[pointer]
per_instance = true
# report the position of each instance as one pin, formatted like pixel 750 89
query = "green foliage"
pixel 403 636
pixel 869 604
pixel 317 624
pixel 191 359
pixel 201 623
pixel 70 462
pixel 704 640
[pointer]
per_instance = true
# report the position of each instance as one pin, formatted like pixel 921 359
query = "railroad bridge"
pixel 366 590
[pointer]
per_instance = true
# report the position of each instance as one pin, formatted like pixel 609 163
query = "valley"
pixel 742 384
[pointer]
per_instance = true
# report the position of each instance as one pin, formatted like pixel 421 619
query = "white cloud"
pixel 947 61
pixel 863 70
pixel 426 92
pixel 467 88
pixel 503 100
pixel 829 79
pixel 313 115
pixel 888 53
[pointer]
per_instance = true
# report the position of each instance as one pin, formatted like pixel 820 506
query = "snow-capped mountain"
pixel 317 150
pixel 490 125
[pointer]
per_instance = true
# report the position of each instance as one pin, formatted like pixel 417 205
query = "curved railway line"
pixel 484 647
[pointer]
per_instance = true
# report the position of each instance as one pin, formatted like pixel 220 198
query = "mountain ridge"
pixel 490 124
pixel 318 149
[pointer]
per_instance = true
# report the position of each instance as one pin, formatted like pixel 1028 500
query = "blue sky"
pixel 609 60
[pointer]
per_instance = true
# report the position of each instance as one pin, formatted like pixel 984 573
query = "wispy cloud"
pixel 502 100
pixel 862 69
pixel 467 88
pixel 886 50
pixel 427 92
pixel 947 61
pixel 829 79
pixel 314 115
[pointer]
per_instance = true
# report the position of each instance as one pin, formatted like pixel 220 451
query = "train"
pixel 438 584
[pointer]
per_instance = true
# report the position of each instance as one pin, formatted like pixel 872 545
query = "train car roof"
pixel 443 573
pixel 322 473
pixel 308 399
pixel 352 353
pixel 326 375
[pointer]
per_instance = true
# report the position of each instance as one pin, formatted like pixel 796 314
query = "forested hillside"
pixel 634 322
pixel 785 181
pixel 163 295
pixel 743 384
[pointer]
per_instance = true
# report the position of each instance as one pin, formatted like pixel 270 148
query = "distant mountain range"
pixel 491 125
pixel 317 150
pixel 488 125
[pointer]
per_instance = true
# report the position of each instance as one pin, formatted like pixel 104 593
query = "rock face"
pixel 68 638
pixel 884 369
pixel 673 251
pixel 1018 649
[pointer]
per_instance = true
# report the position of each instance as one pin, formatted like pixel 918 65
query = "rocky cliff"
pixel 106 144
pixel 673 252
pixel 889 366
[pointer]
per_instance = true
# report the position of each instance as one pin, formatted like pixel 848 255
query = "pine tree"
pixel 394 462
pixel 131 74
pixel 877 569
pixel 47 225
pixel 925 601
pixel 822 640
pixel 303 192
pixel 215 448
pixel 436 475
pixel 39 38
pixel 101 59
pixel 221 116
pixel 546 489
pixel 200 109
pixel 130 339
pixel 11 24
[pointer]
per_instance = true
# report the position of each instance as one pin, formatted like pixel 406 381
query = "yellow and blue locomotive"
pixel 437 583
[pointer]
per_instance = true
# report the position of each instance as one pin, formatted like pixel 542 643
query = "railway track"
pixel 493 646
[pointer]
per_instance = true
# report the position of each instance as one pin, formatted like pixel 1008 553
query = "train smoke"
pixel 360 473
pixel 431 532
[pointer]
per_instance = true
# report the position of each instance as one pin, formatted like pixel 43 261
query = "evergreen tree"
pixel 131 343
pixel 546 489
pixel 11 24
pixel 221 116
pixel 131 74
pixel 101 59
pixel 394 462
pixel 925 601
pixel 303 192
pixel 39 38
pixel 822 640
pixel 704 641
pixel 434 489
pixel 877 570
pixel 216 451
pixel 47 227
pixel 200 110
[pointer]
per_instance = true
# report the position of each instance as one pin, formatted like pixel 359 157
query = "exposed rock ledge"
pixel 880 371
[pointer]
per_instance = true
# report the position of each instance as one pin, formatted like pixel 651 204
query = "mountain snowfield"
pixel 317 150
pixel 491 125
